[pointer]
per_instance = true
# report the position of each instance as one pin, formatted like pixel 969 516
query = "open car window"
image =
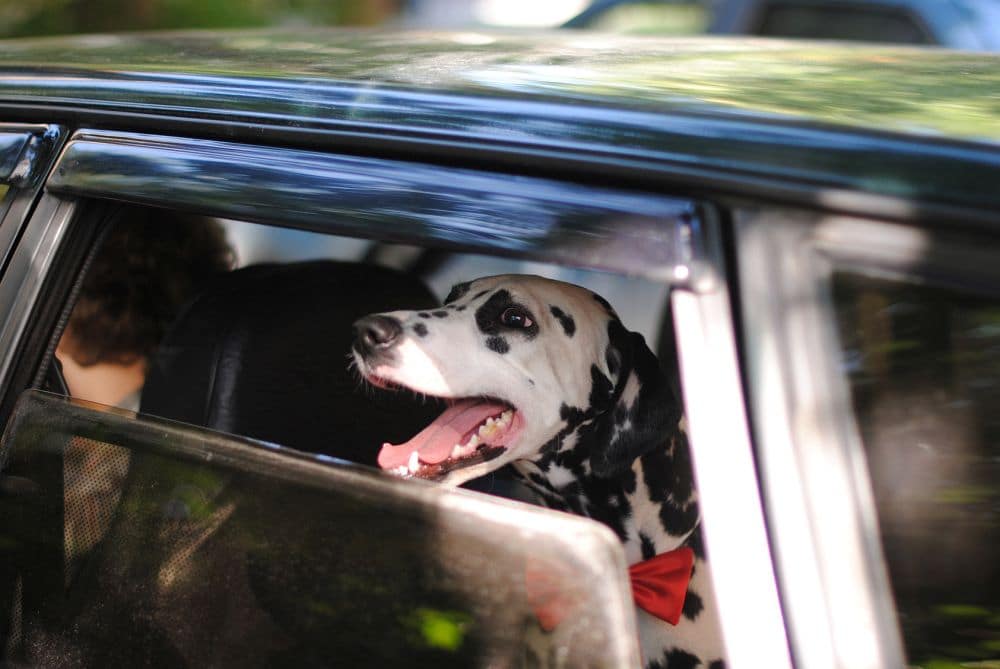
pixel 128 524
pixel 260 350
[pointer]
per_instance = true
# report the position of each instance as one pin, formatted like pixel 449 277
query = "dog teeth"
pixel 414 463
pixel 506 417
pixel 473 441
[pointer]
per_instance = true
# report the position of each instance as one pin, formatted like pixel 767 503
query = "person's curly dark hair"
pixel 151 263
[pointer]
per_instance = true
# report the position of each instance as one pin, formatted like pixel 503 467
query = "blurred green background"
pixel 23 18
pixel 54 17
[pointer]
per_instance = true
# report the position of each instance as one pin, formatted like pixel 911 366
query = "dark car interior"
pixel 261 352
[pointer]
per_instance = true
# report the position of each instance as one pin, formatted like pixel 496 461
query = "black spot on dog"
pixel 573 417
pixel 693 606
pixel 676 658
pixel 606 503
pixel 607 305
pixel 601 389
pixel 613 359
pixel 497 345
pixel 460 308
pixel 488 314
pixel 423 314
pixel 458 291
pixel 696 543
pixel 677 520
pixel 641 422
pixel 647 547
pixel 439 314
pixel 565 320
pixel 478 295
pixel 539 480
pixel 618 342
pixel 420 329
pixel 668 472
pixel 717 664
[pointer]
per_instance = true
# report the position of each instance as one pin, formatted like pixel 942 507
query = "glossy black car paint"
pixel 901 133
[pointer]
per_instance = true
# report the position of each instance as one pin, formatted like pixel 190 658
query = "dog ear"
pixel 639 413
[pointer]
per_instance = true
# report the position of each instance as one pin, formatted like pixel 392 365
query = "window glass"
pixel 924 370
pixel 245 329
pixel 212 551
pixel 870 24
pixel 152 262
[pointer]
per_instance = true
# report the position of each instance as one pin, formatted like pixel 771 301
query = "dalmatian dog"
pixel 542 375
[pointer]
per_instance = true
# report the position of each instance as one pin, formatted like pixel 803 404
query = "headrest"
pixel 265 353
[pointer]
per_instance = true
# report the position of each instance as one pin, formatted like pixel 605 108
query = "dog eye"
pixel 514 317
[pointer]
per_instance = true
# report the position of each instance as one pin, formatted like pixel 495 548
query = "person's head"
pixel 151 262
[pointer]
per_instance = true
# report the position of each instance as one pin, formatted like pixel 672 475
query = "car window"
pixel 252 335
pixel 151 262
pixel 161 292
pixel 140 542
pixel 850 22
pixel 924 370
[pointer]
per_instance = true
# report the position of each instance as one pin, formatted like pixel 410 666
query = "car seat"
pixel 265 353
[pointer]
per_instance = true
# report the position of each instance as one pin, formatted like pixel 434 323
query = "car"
pixel 805 233
pixel 972 25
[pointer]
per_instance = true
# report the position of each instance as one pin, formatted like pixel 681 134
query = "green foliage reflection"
pixel 443 630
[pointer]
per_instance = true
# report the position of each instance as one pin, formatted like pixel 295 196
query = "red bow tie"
pixel 659 586
pixel 660 583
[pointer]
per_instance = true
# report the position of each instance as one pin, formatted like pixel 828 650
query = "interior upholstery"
pixel 265 353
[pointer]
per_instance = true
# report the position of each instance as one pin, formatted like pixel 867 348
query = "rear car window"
pixel 138 293
pixel 924 369
pixel 144 505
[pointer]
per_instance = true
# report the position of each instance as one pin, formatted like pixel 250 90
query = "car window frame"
pixel 690 260
pixel 834 580
pixel 27 152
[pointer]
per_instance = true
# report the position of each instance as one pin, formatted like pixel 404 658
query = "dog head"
pixel 530 367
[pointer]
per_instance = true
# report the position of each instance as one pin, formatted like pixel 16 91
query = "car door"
pixel 872 355
pixel 207 547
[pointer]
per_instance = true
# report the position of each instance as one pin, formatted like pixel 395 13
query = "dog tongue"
pixel 435 442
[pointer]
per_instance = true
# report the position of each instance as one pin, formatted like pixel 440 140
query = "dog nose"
pixel 376 333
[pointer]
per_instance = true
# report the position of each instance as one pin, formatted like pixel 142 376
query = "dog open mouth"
pixel 470 431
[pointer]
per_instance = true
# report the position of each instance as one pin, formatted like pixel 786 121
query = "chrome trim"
pixel 11 147
pixel 28 267
pixel 549 220
pixel 821 514
pixel 732 513
pixel 27 173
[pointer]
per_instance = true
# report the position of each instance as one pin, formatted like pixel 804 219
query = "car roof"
pixel 883 119
pixel 885 88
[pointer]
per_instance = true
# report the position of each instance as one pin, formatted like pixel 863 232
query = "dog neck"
pixel 652 507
